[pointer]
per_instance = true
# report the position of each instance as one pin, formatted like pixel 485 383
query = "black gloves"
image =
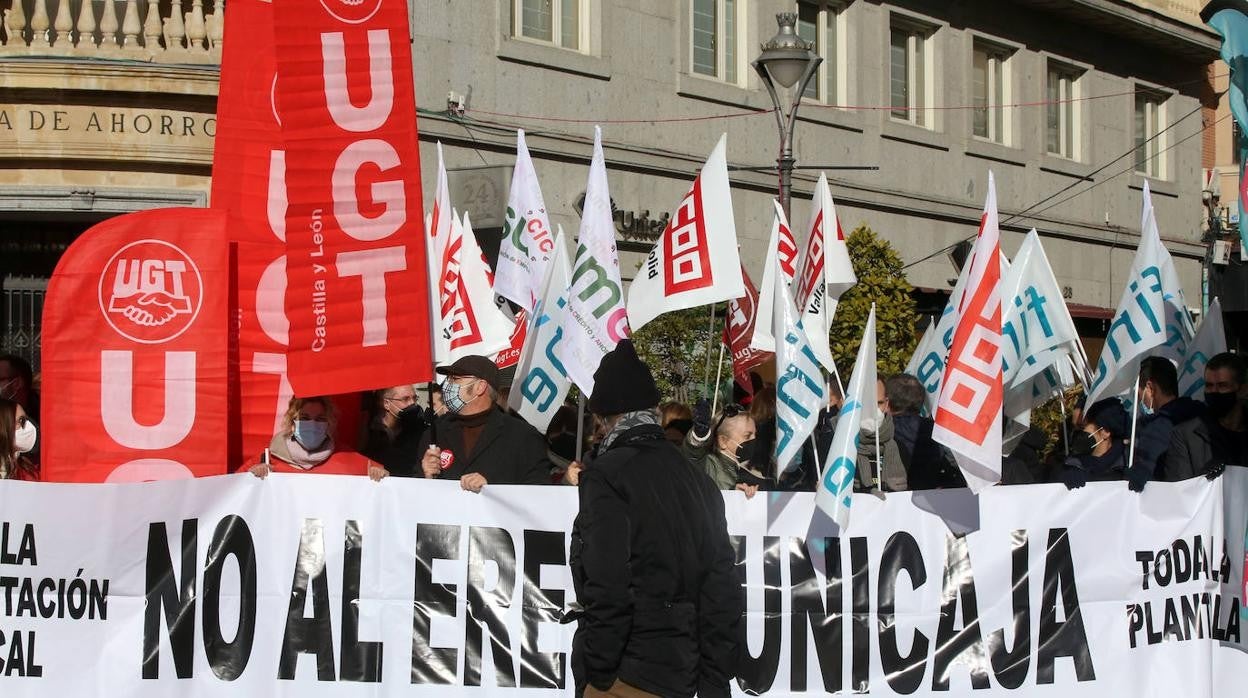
pixel 1213 469
pixel 1136 479
pixel 1074 476
pixel 702 417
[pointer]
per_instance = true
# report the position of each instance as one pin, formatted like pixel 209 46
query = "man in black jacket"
pixel 929 465
pixel 1162 410
pixel 477 443
pixel 1219 438
pixel 651 560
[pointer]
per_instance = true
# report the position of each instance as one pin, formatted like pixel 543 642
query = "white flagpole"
pixel 580 424
pixel 879 457
pixel 710 329
pixel 1135 405
pixel 719 371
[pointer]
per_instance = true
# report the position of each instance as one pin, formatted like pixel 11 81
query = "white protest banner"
pixel 782 255
pixel 437 234
pixel 541 382
pixel 314 586
pixel 1210 340
pixel 1034 318
pixel 695 260
pixel 836 485
pixel 473 324
pixel 527 239
pixel 800 388
pixel 596 319
pixel 968 415
pixel 1152 317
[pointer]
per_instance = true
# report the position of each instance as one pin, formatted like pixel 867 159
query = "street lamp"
pixel 786 60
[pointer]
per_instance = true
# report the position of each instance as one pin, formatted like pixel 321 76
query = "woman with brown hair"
pixel 18 435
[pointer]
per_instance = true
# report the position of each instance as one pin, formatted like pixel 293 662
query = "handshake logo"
pixel 150 291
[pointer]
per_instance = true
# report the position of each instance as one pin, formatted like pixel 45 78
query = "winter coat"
pixel 1106 468
pixel 390 448
pixel 929 465
pixel 1152 434
pixel 722 470
pixel 1199 443
pixel 893 477
pixel 655 573
pixel 508 452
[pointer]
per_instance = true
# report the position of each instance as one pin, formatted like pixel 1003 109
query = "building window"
pixel 990 91
pixel 909 72
pixel 1150 121
pixel 715 28
pixel 557 22
pixel 819 22
pixel 1062 125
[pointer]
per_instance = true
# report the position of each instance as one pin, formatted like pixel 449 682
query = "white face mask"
pixel 24 438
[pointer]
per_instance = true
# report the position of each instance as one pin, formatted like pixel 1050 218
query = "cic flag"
pixel 355 261
pixel 1230 19
pixel 968 418
pixel 527 237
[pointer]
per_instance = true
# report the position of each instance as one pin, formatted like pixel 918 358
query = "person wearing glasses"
pixel 396 427
pixel 18 434
pixel 725 450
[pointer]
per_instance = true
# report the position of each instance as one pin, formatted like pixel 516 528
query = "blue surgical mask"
pixel 310 433
pixel 451 398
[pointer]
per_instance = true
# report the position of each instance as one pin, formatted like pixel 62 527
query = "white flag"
pixel 968 415
pixel 541 383
pixel 596 319
pixel 695 261
pixel 437 231
pixel 1210 341
pixel 836 486
pixel 472 323
pixel 1151 319
pixel 527 239
pixel 928 362
pixel 782 255
pixel 1035 319
pixel 824 274
pixel 800 392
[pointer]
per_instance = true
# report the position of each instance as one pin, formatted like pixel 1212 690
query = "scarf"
pixel 627 421
pixel 303 459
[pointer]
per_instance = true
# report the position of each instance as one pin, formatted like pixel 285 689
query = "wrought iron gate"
pixel 21 316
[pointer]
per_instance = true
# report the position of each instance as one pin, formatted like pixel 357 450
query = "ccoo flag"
pixel 1151 319
pixel 824 274
pixel 695 261
pixel 782 256
pixel 968 416
pixel 541 382
pixel 1230 19
pixel 738 329
pixel 836 485
pixel 527 240
pixel 471 322
pixel 437 233
pixel 1210 340
pixel 800 392
pixel 596 319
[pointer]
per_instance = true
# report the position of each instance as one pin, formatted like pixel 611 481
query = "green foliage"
pixel 882 281
pixel 674 346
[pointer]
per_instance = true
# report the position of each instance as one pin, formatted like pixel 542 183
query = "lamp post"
pixel 787 60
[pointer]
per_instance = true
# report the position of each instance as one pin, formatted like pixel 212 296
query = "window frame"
pixel 1070 113
pixel 920 61
pixel 556 25
pixel 998 85
pixel 1154 141
pixel 830 44
pixel 738 22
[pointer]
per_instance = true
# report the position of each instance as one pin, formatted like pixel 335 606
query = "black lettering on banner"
pixel 433 665
pixel 232 538
pixel 809 607
pixel 306 635
pixel 1182 562
pixel 1010 665
pixel 361 661
pixel 1200 559
pixel 538 605
pixel 860 635
pixel 1067 638
pixel 755 675
pixel 177 598
pixel 20 658
pixel 493 544
pixel 963 645
pixel 901 554
pixel 26 553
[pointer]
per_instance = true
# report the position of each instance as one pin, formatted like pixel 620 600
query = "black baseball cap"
pixel 475 366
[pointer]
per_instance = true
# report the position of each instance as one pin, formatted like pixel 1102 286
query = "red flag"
pixel 742 313
pixel 511 355
pixel 135 350
pixel 356 265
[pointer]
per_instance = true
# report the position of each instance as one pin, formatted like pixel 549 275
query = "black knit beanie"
pixel 622 383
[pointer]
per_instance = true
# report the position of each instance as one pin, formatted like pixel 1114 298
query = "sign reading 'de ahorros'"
pixel 330 585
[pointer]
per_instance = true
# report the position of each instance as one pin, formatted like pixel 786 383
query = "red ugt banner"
pixel 356 269
pixel 135 350
pixel 739 329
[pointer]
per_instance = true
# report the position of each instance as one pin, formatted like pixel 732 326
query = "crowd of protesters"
pixel 461 428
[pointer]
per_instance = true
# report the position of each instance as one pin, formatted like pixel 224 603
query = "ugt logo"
pixel 352 11
pixel 150 291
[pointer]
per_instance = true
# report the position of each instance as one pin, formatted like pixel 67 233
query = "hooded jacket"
pixel 1152 434
pixel 654 570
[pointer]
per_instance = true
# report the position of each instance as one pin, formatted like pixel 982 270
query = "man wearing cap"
pixel 651 561
pixel 475 442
